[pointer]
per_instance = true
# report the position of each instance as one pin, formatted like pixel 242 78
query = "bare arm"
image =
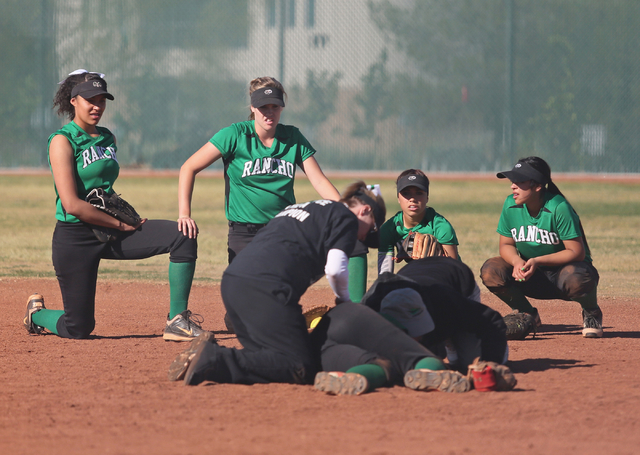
pixel 451 251
pixel 62 167
pixel 203 158
pixel 319 181
pixel 523 270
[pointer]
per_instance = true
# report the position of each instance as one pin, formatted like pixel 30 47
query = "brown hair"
pixel 262 82
pixel 352 195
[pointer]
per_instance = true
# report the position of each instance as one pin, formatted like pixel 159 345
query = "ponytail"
pixel 543 167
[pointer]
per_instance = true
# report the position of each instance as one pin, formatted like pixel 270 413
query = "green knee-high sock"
pixel 375 374
pixel 515 298
pixel 47 319
pixel 589 301
pixel 357 277
pixel 430 363
pixel 180 279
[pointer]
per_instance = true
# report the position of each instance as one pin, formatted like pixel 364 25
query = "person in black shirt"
pixel 261 291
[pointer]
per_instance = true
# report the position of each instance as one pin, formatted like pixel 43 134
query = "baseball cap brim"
pixel 267 95
pixel 91 88
pixel 522 172
pixel 413 180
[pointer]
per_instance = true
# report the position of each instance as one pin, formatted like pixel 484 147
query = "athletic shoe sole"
pixel 35 303
pixel 442 380
pixel 179 366
pixel 172 336
pixel 592 333
pixel 341 383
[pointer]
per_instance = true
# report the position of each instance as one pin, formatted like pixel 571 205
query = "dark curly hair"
pixel 62 99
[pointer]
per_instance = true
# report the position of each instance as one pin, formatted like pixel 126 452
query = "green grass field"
pixel 610 213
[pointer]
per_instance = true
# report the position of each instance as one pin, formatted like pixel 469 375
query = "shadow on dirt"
pixel 529 365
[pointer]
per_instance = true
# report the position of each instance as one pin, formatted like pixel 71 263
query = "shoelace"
pixel 590 322
pixel 195 319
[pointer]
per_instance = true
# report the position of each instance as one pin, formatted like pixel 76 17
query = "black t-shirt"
pixel 293 246
pixel 451 312
pixel 441 270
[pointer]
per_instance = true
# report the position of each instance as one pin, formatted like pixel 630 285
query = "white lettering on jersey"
pixel 535 235
pixel 544 237
pixel 282 167
pixel 247 169
pixel 93 154
pixel 296 212
pixel 256 167
pixel 268 165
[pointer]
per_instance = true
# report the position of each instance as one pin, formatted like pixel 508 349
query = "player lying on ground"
pixel 471 328
pixel 543 249
pixel 82 156
pixel 261 290
pixel 415 217
pixel 360 351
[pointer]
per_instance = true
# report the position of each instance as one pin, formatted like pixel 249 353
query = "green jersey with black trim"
pixel 393 230
pixel 544 233
pixel 96 164
pixel 259 180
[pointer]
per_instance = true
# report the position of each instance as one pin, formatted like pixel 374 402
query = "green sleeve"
pixel 568 223
pixel 226 140
pixel 443 231
pixel 389 236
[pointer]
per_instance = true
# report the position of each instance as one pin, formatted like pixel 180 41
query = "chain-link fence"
pixel 443 85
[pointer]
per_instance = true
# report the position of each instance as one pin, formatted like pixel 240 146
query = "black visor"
pixel 523 172
pixel 267 95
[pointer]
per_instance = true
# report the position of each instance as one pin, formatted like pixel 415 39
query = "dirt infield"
pixel 110 394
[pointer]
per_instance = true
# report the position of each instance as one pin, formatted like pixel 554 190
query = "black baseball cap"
pixel 413 180
pixel 89 89
pixel 267 95
pixel 523 172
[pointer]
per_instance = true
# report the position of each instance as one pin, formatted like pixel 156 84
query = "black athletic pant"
pixel 276 344
pixel 353 334
pixel 76 254
pixel 268 321
pixel 566 282
pixel 240 235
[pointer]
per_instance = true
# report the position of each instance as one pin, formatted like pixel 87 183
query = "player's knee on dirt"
pixel 79 331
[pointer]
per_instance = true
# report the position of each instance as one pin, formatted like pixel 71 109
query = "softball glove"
pixel 519 325
pixel 419 246
pixel 314 312
pixel 114 205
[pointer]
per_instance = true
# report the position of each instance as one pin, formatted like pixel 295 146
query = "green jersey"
pixel 259 180
pixel 544 233
pixel 96 165
pixel 393 230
